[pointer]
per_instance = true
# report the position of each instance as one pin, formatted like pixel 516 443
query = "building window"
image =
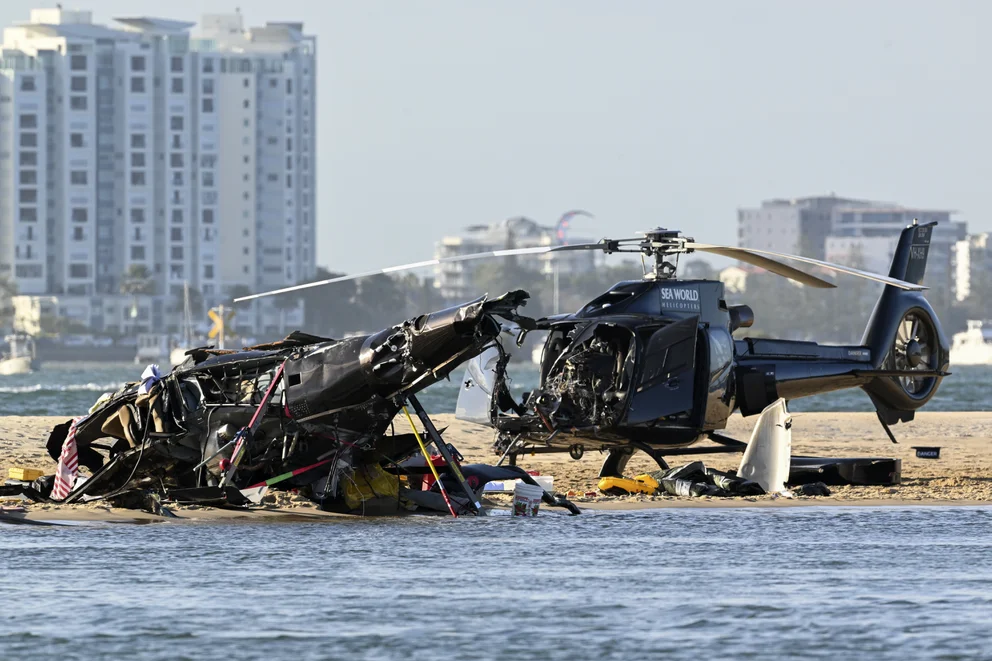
pixel 208 65
pixel 208 179
pixel 80 215
pixel 29 177
pixel 176 142
pixel 247 82
pixel 137 141
pixel 77 63
pixel 208 271
pixel 177 252
pixel 137 159
pixel 77 177
pixel 29 139
pixel 137 253
pixel 177 218
pixel 289 86
pixel 78 103
pixel 176 160
pixel 137 215
pixel 176 64
pixel 76 140
pixel 246 104
pixel 289 181
pixel 208 216
pixel 272 140
pixel 137 84
pixel 138 178
pixel 176 233
pixel 29 158
pixel 208 85
pixel 79 270
pixel 177 85
pixel 27 84
pixel 78 84
pixel 28 215
pixel 208 105
pixel 137 63
pixel 28 196
pixel 177 178
pixel 78 234
pixel 176 123
pixel 29 121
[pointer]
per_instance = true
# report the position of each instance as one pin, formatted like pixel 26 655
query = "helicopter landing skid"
pixel 617 458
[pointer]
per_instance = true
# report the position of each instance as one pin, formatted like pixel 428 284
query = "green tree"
pixel 8 289
pixel 137 280
pixel 329 310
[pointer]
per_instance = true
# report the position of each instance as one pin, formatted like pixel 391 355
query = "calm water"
pixel 837 583
pixel 71 388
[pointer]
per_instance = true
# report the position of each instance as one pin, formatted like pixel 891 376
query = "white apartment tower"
pixel 191 156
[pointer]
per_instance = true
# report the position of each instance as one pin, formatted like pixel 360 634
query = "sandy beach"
pixel 962 475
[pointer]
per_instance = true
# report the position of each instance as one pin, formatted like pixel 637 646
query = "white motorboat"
pixel 973 346
pixel 22 357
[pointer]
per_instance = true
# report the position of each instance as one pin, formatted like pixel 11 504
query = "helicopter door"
pixel 666 380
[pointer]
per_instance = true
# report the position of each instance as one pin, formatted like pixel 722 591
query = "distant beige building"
pixel 456 281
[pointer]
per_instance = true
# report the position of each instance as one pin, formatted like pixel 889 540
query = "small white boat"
pixel 152 348
pixel 22 357
pixel 973 346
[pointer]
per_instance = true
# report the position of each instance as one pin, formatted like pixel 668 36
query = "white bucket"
pixel 526 499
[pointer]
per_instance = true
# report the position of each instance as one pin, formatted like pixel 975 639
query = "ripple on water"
pixel 813 583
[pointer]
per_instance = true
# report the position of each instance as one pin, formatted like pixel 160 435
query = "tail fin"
pixel 904 334
pixel 909 263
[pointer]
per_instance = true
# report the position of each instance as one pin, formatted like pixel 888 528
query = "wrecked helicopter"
pixel 650 365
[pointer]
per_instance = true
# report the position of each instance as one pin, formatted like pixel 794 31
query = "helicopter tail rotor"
pixel 905 336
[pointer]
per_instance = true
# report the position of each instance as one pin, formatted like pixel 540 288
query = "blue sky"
pixel 436 115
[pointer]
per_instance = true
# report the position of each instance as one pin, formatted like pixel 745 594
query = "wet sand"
pixel 962 475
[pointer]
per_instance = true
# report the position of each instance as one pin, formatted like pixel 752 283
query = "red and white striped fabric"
pixel 65 474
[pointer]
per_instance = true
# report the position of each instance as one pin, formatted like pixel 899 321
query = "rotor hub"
pixel 914 353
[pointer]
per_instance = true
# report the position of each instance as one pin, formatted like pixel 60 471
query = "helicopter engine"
pixel 585 385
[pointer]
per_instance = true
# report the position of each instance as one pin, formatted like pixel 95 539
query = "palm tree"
pixel 137 280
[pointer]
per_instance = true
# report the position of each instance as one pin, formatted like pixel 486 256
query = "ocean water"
pixel 798 583
pixel 71 388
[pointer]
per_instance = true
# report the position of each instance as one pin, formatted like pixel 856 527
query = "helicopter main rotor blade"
pixel 758 258
pixel 766 263
pixel 538 250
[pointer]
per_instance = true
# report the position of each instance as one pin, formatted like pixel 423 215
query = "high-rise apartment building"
pixel 149 148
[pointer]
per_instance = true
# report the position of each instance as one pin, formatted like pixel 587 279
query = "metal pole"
pixel 556 283
pixel 220 335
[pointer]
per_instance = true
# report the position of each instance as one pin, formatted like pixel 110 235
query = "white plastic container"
pixel 526 499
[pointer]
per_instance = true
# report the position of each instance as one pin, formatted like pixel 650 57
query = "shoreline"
pixel 962 476
pixel 83 514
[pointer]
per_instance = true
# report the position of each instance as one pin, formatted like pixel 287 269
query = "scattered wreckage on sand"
pixel 307 413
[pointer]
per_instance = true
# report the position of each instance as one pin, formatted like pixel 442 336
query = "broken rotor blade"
pixel 538 250
pixel 766 263
pixel 750 255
